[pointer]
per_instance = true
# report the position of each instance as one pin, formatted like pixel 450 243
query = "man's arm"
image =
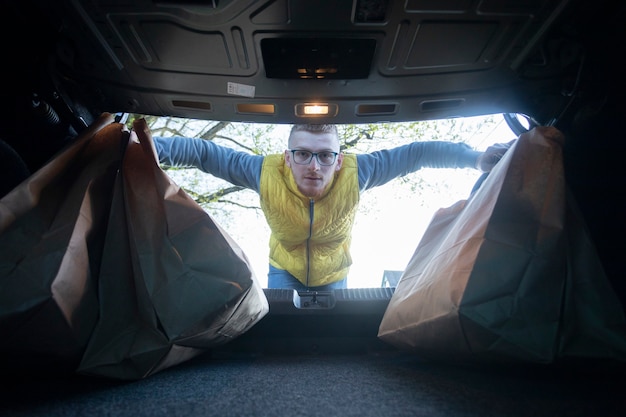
pixel 236 167
pixel 379 167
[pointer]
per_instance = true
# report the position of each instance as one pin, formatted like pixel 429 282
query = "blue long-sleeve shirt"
pixel 374 169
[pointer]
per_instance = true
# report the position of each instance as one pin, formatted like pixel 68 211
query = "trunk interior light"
pixel 316 109
pixel 311 109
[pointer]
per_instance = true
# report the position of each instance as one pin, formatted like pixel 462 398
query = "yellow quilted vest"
pixel 324 256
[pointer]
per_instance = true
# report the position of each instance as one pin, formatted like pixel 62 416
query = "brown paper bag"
pixel 51 228
pixel 172 283
pixel 509 274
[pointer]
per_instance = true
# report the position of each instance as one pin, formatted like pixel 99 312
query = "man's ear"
pixel 288 158
pixel 339 162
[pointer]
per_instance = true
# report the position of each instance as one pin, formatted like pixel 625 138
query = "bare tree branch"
pixel 235 203
pixel 213 130
pixel 213 197
pixel 166 129
pixel 236 143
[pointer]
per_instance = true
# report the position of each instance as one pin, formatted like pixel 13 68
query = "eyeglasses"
pixel 302 157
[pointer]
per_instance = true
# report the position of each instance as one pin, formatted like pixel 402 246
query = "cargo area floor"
pixel 374 384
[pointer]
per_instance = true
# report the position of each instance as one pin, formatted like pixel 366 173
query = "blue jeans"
pixel 279 278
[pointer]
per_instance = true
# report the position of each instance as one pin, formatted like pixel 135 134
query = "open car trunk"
pixel 555 62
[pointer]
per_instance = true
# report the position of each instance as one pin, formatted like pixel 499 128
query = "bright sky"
pixel 401 218
pixel 390 223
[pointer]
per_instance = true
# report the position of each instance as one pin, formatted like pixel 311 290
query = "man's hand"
pixel 492 156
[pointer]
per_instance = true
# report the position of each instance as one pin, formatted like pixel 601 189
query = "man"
pixel 310 193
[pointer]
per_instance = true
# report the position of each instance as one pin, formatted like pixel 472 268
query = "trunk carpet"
pixel 376 384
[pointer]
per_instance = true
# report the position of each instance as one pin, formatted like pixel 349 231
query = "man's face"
pixel 313 178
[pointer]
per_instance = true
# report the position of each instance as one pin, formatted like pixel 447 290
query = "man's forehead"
pixel 314 140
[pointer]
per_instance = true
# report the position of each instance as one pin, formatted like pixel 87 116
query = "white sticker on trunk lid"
pixel 241 89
